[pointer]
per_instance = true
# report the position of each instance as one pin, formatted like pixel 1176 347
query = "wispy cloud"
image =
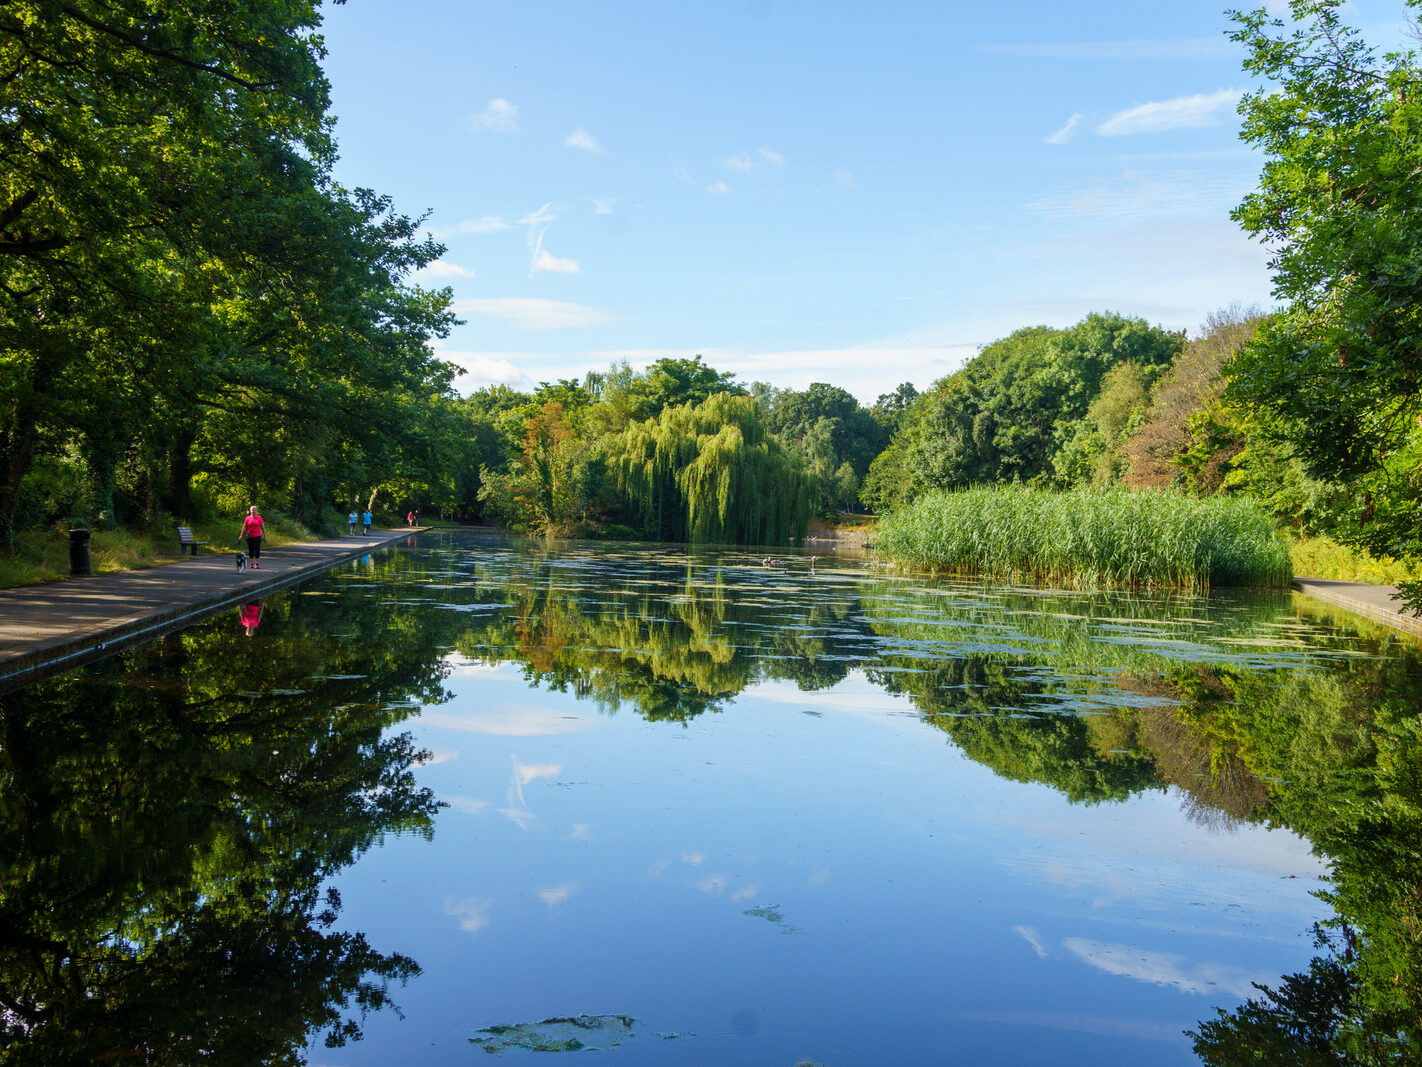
pixel 602 205
pixel 580 138
pixel 1181 112
pixel 440 268
pixel 772 157
pixel 1030 935
pixel 499 117
pixel 742 163
pixel 1063 135
pixel 541 260
pixel 488 224
pixel 846 178
pixel 533 313
pixel 718 188
pixel 1132 196
pixel 1177 48
pixel 559 894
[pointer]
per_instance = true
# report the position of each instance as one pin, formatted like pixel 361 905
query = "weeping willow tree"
pixel 711 472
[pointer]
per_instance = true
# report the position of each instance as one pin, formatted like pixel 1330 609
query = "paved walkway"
pixel 56 625
pixel 1374 602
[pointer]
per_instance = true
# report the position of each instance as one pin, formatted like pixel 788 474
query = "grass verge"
pixel 1086 538
pixel 42 554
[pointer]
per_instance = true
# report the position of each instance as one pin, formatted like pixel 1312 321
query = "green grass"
pixel 1088 538
pixel 42 553
pixel 1323 557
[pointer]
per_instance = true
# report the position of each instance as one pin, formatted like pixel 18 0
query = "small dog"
pixel 241 562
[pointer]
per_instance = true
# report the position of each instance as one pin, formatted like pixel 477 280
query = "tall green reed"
pixel 1090 537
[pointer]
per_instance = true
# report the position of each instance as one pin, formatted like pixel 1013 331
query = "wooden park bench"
pixel 186 542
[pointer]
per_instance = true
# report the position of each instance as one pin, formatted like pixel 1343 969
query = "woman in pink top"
pixel 253 529
pixel 251 616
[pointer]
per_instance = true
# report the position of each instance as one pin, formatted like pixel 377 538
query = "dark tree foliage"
pixel 184 291
pixel 1338 205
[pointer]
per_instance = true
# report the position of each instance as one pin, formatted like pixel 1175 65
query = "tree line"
pixel 194 314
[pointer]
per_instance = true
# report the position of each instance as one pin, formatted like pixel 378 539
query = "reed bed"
pixel 1085 538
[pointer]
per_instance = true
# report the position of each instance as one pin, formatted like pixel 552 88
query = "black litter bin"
pixel 78 551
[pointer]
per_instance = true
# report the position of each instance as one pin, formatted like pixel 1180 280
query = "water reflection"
pixel 170 820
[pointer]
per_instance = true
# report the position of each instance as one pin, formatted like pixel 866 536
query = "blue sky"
pixel 852 193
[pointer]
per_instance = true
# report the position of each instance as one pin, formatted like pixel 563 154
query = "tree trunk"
pixel 16 451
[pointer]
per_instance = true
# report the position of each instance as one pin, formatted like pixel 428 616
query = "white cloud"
pixel 541 260
pixel 483 368
pixel 1063 135
pixel 580 138
pixel 472 913
pixel 547 261
pixel 846 178
pixel 499 117
pixel 741 163
pixel 684 175
pixel 1181 112
pixel 533 313
pixel 772 157
pixel 1180 48
pixel 439 268
pixel 718 188
pixel 1161 968
pixel 602 205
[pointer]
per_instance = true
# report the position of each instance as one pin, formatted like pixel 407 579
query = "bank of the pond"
pixel 59 624
pixel 1083 538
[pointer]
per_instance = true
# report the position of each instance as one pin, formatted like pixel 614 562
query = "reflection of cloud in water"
pixel 745 894
pixel 1103 1025
pixel 468 805
pixel 580 832
pixel 714 885
pixel 472 913
pixel 693 858
pixel 1162 968
pixel 818 877
pixel 438 757
pixel 530 772
pixel 559 894
pixel 518 811
pixel 461 666
pixel 1030 935
pixel 509 720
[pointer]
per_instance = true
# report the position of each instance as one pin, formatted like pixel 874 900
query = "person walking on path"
pixel 410 519
pixel 366 520
pixel 354 518
pixel 253 529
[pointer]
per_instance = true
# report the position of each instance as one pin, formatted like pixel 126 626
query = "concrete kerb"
pixel 42 657
pixel 1376 602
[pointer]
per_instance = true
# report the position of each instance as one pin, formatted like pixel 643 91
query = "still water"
pixel 488 797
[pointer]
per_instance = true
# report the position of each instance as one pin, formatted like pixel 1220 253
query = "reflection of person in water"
pixel 251 616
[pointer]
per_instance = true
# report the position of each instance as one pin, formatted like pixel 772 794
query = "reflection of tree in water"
pixel 1331 750
pixel 685 646
pixel 163 844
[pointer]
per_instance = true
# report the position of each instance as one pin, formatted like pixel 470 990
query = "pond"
pixel 491 797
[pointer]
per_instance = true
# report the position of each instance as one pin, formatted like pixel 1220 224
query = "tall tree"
pixel 1338 206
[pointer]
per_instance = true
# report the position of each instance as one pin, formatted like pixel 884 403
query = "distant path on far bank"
pixel 57 625
pixel 1376 602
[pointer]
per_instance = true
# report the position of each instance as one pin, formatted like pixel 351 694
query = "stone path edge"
pixel 1375 602
pixel 59 654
